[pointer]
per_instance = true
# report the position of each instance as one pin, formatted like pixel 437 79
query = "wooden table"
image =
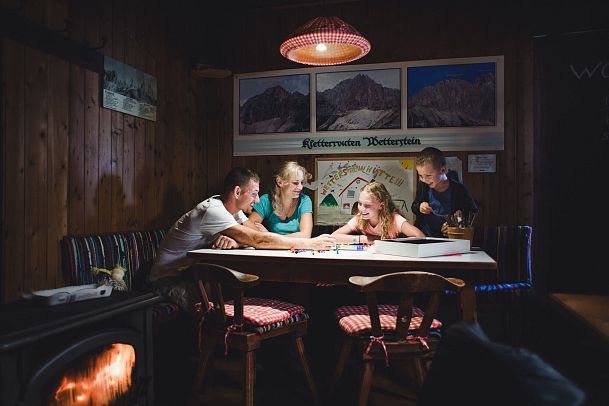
pixel 474 267
pixel 591 311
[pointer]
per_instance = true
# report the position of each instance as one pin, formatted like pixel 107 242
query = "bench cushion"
pixel 134 250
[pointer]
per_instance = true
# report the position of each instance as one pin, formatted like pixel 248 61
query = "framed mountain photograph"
pixel 452 95
pixel 358 100
pixel 274 104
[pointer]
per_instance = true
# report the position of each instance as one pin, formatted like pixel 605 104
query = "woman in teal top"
pixel 286 210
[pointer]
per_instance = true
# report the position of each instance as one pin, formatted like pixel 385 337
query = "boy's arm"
pixel 416 204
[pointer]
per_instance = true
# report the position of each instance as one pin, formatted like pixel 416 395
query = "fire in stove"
pixel 102 379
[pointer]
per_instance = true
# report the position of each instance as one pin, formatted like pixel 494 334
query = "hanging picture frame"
pixel 452 104
pixel 129 90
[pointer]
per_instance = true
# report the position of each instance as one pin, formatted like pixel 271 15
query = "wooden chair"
pixel 386 332
pixel 242 323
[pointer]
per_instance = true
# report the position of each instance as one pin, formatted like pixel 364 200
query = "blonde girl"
pixel 285 209
pixel 378 218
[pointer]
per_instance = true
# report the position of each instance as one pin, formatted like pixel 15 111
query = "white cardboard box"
pixel 419 247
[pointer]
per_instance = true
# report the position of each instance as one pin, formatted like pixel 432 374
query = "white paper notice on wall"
pixel 482 163
pixel 454 164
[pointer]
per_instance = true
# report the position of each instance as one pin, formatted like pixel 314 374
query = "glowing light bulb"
pixel 321 47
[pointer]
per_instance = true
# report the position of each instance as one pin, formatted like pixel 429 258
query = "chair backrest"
pixel 133 250
pixel 210 280
pixel 510 246
pixel 408 285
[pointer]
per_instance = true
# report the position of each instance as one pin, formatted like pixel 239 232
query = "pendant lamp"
pixel 325 41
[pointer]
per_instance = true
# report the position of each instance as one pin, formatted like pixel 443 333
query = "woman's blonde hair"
pixel 379 191
pixel 286 172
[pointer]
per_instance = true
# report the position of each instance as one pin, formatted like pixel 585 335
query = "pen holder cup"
pixel 461 233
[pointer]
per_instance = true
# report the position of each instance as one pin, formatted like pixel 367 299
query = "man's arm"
pixel 247 236
pixel 255 224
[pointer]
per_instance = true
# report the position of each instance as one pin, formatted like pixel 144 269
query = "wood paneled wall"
pixel 70 166
pixel 399 31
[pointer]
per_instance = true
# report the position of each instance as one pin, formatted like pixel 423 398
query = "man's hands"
pixel 322 242
pixel 425 208
pixel 225 243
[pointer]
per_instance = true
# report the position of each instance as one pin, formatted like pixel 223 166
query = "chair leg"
pixel 343 356
pixel 205 359
pixel 366 383
pixel 299 343
pixel 249 377
pixel 420 370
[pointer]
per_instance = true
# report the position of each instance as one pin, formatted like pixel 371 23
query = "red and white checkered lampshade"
pixel 325 41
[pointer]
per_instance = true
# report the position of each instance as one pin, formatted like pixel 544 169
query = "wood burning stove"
pixel 93 352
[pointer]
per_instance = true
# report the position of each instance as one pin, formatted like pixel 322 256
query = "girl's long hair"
pixel 286 172
pixel 379 191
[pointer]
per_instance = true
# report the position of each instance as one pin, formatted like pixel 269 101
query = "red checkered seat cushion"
pixel 355 320
pixel 260 312
pixel 262 315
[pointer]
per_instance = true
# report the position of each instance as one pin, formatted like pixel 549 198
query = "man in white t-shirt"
pixel 219 222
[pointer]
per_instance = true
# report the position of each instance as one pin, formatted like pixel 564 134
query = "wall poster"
pixel 452 104
pixel 129 90
pixel 340 181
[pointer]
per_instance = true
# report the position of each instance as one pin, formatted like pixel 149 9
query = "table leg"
pixel 467 303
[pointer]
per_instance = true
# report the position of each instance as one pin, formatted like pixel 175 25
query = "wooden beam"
pixel 52 42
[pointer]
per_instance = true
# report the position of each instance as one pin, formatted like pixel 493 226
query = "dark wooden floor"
pixel 279 380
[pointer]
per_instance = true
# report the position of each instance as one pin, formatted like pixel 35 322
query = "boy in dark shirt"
pixel 437 194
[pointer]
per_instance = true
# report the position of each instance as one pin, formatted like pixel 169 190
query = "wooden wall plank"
pixel 91 152
pixel 91 148
pixel 104 190
pixel 76 224
pixel 36 138
pixel 76 162
pixel 58 118
pixel 58 148
pixel 129 124
pixel 117 158
pixel 150 195
pixel 13 238
pixel 162 164
pixel 128 180
pixel 142 179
